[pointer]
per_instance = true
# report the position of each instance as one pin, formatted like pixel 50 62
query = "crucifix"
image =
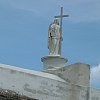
pixel 55 35
pixel 61 18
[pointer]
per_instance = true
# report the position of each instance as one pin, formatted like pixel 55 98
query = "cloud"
pixel 79 11
pixel 95 76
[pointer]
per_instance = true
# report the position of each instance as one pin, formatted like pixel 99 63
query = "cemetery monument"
pixel 57 81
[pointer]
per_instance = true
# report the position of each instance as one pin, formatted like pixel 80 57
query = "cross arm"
pixel 62 16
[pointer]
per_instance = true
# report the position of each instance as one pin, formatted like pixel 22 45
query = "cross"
pixel 61 18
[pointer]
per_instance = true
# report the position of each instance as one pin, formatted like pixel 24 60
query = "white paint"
pixel 27 71
pixel 35 85
pixel 53 62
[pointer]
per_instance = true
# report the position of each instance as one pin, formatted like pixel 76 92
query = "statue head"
pixel 56 21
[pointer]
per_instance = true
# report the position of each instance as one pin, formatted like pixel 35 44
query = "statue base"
pixel 53 62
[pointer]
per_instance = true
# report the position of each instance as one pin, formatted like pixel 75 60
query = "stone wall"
pixel 94 94
pixel 42 86
pixel 77 73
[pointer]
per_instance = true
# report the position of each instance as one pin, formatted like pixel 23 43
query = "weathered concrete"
pixel 77 73
pixel 94 94
pixel 33 84
pixel 40 85
pixel 53 62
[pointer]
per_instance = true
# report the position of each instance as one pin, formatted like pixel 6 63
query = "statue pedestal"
pixel 53 62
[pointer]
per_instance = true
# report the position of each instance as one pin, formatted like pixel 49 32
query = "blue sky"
pixel 24 30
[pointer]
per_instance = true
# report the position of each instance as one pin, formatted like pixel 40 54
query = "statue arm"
pixel 49 31
pixel 49 36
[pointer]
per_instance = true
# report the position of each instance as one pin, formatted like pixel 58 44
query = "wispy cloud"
pixel 28 6
pixel 95 75
pixel 79 11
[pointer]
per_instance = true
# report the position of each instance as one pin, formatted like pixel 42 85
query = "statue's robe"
pixel 54 39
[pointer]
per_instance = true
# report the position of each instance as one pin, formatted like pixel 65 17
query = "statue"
pixel 54 38
pixel 55 35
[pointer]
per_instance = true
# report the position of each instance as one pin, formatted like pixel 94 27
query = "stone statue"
pixel 54 38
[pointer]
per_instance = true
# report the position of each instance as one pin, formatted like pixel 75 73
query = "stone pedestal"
pixel 53 62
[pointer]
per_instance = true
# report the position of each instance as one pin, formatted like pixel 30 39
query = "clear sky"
pixel 24 31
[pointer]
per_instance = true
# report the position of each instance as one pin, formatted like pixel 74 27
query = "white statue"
pixel 54 38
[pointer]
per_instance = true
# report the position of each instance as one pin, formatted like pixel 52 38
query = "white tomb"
pixel 57 81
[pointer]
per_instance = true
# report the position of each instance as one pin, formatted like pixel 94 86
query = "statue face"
pixel 56 21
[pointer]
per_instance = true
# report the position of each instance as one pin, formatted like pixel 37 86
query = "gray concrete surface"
pixel 43 86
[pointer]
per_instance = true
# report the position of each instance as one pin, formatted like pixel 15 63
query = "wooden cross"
pixel 61 18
